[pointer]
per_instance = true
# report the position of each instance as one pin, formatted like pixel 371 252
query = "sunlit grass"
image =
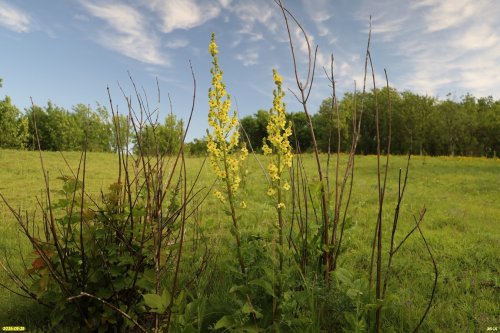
pixel 462 226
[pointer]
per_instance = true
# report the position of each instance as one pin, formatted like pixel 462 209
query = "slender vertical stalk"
pixel 304 91
pixel 234 218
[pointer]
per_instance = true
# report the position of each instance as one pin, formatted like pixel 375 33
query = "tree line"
pixel 83 127
pixel 424 124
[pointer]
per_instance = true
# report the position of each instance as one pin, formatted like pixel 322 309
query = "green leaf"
pixel 155 302
pixel 224 322
pixel 104 292
pixel 343 275
pixel 147 280
pixel 71 185
pixel 252 329
pixel 266 285
pixel 248 308
pixel 235 288
pixel 166 298
pixel 353 293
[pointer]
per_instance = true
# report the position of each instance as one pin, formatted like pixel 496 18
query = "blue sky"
pixel 70 51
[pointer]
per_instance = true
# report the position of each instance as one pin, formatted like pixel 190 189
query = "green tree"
pixel 171 135
pixel 122 131
pixel 64 132
pixel 198 147
pixel 164 139
pixel 9 125
pixel 37 115
pixel 488 126
pixel 96 130
pixel 301 135
pixel 255 127
pixel 326 122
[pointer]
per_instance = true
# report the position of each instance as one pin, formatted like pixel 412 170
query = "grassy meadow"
pixel 461 225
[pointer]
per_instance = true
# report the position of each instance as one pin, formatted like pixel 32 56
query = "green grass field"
pixel 461 225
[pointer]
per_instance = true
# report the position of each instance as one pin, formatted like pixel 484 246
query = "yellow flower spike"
pixel 212 47
pixel 277 78
pixel 244 154
pixel 223 139
pixel 219 196
pixel 266 149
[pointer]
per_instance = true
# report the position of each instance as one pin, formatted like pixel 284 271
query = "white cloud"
pixel 437 46
pixel 322 59
pixel 388 27
pixel 225 3
pixel 253 12
pixel 248 58
pixel 445 14
pixel 318 10
pixel 481 36
pixel 130 35
pixel 184 14
pixel 14 19
pixel 177 43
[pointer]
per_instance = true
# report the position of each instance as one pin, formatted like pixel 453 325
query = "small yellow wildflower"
pixel 212 47
pixel 244 154
pixel 266 149
pixel 286 186
pixel 270 191
pixel 243 204
pixel 273 171
pixel 219 196
pixel 281 205
pixel 277 78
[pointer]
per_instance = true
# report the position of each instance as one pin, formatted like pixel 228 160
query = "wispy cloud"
pixel 248 58
pixel 128 33
pixel 14 18
pixel 320 12
pixel 253 15
pixel 184 14
pixel 441 46
pixel 225 3
pixel 444 14
pixel 252 12
pixel 177 43
pixel 322 60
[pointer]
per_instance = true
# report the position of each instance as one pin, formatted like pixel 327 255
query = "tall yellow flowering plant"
pixel 223 142
pixel 277 146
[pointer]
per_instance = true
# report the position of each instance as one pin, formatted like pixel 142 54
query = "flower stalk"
pixel 223 146
pixel 277 146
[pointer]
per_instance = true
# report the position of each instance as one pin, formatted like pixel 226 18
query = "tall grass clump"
pixel 111 262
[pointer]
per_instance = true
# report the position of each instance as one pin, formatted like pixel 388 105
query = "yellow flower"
pixel 270 191
pixel 219 196
pixel 243 204
pixel 244 153
pixel 286 186
pixel 277 77
pixel 281 205
pixel 273 171
pixel 266 149
pixel 212 47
